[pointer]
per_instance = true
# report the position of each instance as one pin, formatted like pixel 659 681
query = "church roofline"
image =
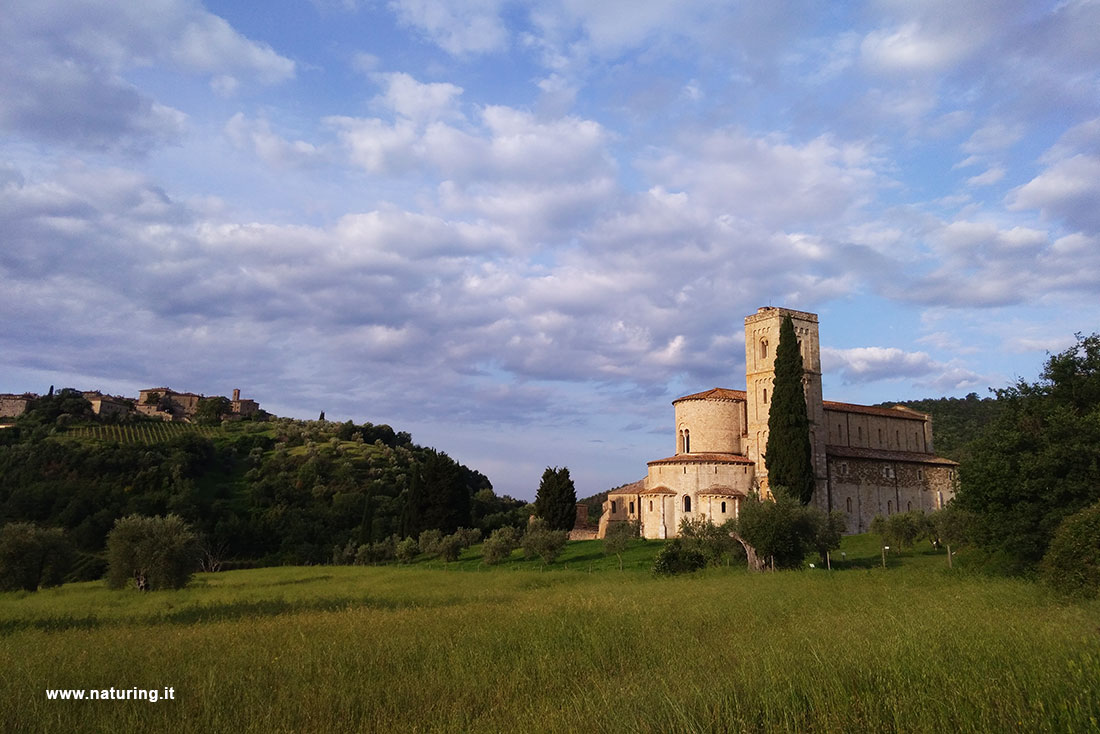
pixel 717 491
pixel 898 411
pixel 715 393
pixel 704 459
pixel 852 452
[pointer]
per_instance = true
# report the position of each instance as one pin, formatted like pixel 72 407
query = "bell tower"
pixel 761 340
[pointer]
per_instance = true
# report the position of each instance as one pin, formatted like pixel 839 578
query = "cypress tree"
pixel 556 501
pixel 788 457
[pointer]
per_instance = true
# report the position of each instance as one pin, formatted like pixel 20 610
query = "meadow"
pixel 576 646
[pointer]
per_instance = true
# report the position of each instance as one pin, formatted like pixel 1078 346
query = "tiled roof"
pixel 632 488
pixel 715 393
pixel 657 490
pixel 850 452
pixel 896 412
pixel 704 459
pixel 717 491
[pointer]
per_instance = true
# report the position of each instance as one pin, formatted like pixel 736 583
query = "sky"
pixel 519 230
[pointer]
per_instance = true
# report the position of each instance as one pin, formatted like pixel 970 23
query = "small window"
pixel 848 502
pixel 631 508
pixel 723 508
pixel 687 503
pixel 859 432
pixel 889 507
pixel 897 438
pixel 765 394
pixel 614 507
pixel 763 349
pixel 651 505
pixel 880 436
pixel 908 506
pixel 920 474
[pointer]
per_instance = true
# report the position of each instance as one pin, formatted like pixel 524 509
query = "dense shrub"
pixel 450 547
pixel 151 552
pixel 500 545
pixel 781 531
pixel 31 556
pixel 1072 562
pixel 429 541
pixel 541 541
pixel 468 536
pixel 676 558
pixel 713 541
pixel 406 550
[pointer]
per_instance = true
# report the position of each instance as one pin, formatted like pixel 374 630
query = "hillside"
pixel 259 492
pixel 956 422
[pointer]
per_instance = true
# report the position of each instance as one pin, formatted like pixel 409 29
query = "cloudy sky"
pixel 520 229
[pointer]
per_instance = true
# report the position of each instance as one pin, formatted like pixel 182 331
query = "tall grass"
pixel 347 649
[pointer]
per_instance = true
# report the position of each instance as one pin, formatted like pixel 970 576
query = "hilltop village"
pixel 161 403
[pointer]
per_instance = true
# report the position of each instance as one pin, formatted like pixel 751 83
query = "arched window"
pixel 687 503
pixel 763 349
pixel 849 503
pixel 723 508
pixel 765 394
pixel 613 508
pixel 651 505
pixel 687 441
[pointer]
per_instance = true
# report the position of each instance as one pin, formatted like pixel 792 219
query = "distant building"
pixel 13 406
pixel 109 405
pixel 167 404
pixel 867 460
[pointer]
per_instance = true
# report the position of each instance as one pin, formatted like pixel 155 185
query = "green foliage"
pixel 66 404
pixel 1072 562
pixel 468 536
pixel 500 545
pixel 676 558
pixel 958 421
pixel 788 458
pixel 429 541
pixel 903 529
pixel 618 537
pixel 210 411
pixel 827 530
pixel 1039 461
pixel 714 542
pixel 542 541
pixel 781 531
pixel 556 500
pixel 450 547
pixel 31 556
pixel 151 552
pixel 406 551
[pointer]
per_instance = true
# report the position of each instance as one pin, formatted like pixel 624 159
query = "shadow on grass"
pixel 218 612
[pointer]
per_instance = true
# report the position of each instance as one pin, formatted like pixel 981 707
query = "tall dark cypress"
pixel 556 501
pixel 788 457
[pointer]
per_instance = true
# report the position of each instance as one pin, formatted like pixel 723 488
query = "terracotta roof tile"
pixel 715 393
pixel 884 455
pixel 657 490
pixel 718 491
pixel 895 412
pixel 704 459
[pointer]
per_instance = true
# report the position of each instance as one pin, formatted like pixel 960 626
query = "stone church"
pixel 867 460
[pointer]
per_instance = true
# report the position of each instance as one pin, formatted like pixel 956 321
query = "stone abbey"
pixel 867 460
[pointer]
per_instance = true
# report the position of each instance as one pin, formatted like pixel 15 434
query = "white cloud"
pixel 273 149
pixel 415 100
pixel 1066 189
pixel 469 27
pixel 912 48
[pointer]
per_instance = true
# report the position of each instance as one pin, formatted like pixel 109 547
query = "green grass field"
pixel 463 647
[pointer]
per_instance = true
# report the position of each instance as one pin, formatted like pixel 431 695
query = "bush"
pixel 618 537
pixel 676 558
pixel 541 541
pixel 151 552
pixel 31 556
pixel 429 541
pixel 499 545
pixel 780 531
pixel 713 541
pixel 1071 565
pixel 450 547
pixel 468 536
pixel 344 555
pixel 406 550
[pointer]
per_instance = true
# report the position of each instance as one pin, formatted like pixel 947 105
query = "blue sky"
pixel 519 230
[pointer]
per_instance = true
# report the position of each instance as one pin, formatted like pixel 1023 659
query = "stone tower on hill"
pixel 867 460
